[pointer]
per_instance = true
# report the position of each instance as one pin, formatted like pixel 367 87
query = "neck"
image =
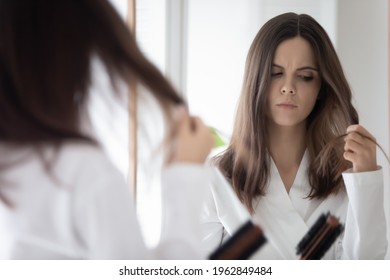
pixel 287 144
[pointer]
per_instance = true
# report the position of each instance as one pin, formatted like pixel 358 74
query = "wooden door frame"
pixel 133 127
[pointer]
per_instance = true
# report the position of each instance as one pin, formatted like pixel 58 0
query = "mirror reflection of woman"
pixel 295 100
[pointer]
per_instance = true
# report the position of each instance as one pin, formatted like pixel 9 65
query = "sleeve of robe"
pixel 365 234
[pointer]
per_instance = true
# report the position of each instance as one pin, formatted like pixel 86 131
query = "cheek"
pixel 309 105
pixel 272 97
pixel 273 93
pixel 310 99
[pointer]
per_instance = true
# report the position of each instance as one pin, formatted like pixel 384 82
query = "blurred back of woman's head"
pixel 45 53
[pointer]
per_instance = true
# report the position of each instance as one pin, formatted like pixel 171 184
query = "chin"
pixel 288 122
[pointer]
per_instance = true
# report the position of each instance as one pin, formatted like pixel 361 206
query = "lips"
pixel 287 105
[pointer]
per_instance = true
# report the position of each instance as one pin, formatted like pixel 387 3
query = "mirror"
pixel 214 38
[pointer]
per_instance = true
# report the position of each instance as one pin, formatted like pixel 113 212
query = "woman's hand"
pixel 359 149
pixel 193 140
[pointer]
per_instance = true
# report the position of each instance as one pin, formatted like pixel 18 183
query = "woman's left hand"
pixel 359 149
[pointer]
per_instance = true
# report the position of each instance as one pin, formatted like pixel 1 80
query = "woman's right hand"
pixel 360 149
pixel 193 140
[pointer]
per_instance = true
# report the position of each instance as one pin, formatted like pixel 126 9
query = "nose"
pixel 288 90
pixel 288 86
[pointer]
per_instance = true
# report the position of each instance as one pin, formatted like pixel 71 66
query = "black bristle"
pixel 308 238
pixel 238 236
pixel 320 237
pixel 324 246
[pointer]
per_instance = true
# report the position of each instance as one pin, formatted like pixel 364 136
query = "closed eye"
pixel 306 78
pixel 276 74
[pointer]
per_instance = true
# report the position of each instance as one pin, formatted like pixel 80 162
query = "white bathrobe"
pixel 286 217
pixel 78 206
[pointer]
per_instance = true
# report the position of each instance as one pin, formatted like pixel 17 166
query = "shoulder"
pixel 80 154
pixel 84 164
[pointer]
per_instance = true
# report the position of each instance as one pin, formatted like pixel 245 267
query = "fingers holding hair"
pixel 193 140
pixel 360 149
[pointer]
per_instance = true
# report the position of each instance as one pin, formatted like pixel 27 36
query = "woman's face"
pixel 295 83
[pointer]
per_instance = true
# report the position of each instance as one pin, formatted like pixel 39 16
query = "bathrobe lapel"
pixel 286 217
pixel 277 215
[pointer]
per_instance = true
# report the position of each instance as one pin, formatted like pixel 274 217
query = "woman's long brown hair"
pixel 46 48
pixel 246 162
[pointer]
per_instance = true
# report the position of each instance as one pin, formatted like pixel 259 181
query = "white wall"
pixel 363 50
pixel 219 35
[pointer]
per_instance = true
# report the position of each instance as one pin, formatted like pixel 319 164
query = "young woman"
pixel 285 162
pixel 60 196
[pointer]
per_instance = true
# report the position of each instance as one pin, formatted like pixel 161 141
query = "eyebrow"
pixel 299 69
